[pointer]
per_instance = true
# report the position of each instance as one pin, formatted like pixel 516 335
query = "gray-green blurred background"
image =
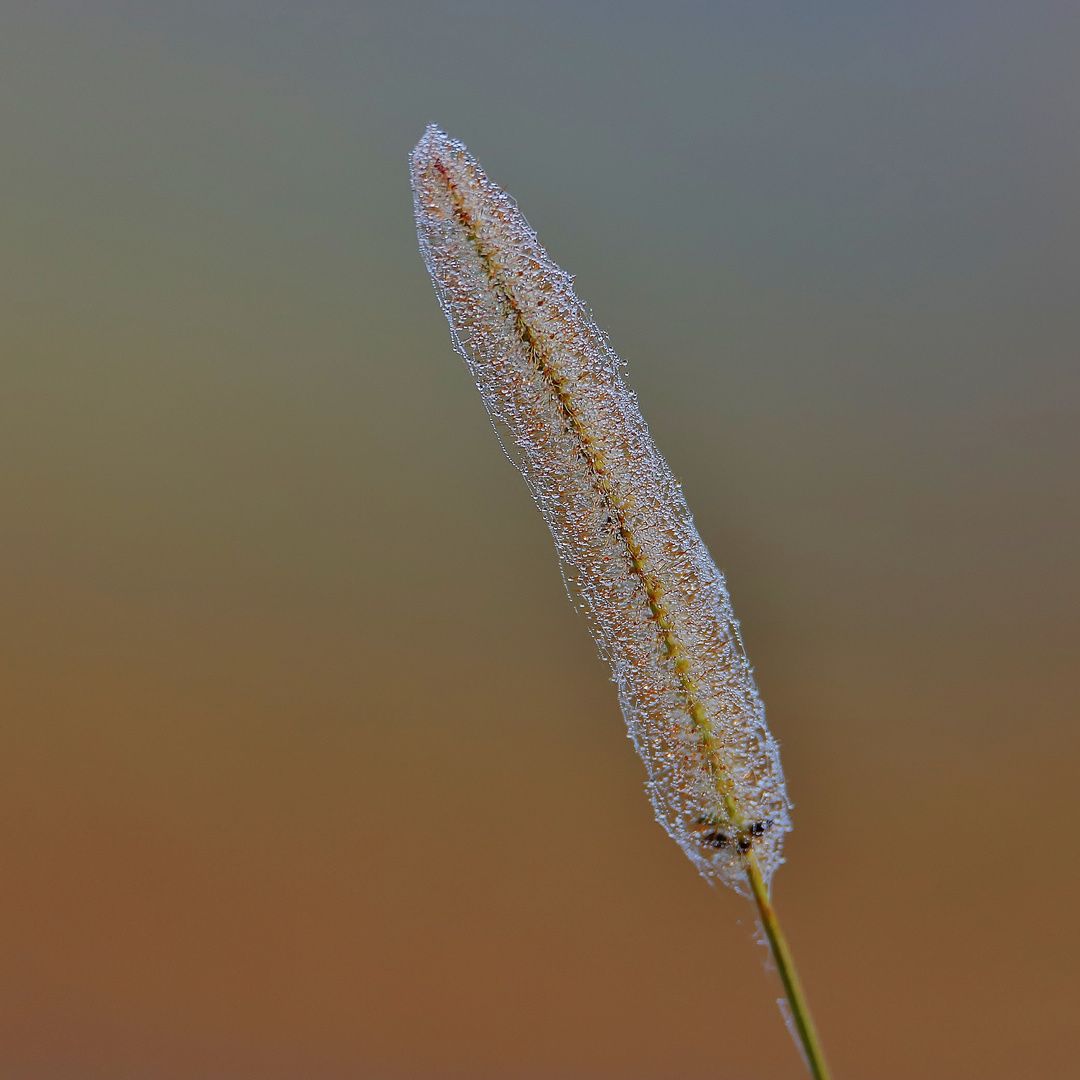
pixel 308 771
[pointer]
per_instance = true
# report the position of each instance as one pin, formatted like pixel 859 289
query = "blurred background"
pixel 307 767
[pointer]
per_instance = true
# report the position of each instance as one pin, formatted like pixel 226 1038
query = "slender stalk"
pixel 785 964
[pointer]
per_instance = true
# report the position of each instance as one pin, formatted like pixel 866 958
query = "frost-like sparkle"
pixel 657 604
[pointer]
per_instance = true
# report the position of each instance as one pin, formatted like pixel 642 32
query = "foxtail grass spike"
pixel 656 603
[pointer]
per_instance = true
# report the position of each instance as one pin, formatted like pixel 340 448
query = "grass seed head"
pixel 657 605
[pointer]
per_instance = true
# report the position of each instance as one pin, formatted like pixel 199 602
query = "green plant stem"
pixel 800 1010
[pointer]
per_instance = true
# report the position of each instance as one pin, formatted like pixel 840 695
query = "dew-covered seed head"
pixel 657 605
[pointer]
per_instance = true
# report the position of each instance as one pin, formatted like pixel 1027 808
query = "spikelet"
pixel 656 602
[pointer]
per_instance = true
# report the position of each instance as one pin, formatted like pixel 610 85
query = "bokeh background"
pixel 307 767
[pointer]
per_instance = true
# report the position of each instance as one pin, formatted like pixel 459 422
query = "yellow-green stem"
pixel 785 964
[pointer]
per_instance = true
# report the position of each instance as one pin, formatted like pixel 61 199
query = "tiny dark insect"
pixel 743 840
pixel 756 829
pixel 714 837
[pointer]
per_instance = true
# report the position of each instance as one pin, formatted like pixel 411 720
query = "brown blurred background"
pixel 307 767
